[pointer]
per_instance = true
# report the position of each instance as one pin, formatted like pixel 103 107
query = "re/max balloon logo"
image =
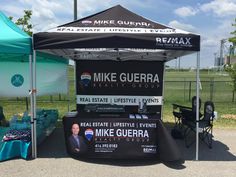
pixel 85 78
pixel 88 134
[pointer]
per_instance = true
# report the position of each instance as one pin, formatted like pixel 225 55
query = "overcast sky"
pixel 211 19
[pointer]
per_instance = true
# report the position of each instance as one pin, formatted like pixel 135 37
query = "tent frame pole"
pixel 68 93
pixel 197 106
pixel 31 105
pixel 75 10
pixel 163 89
pixel 34 95
pixel 75 81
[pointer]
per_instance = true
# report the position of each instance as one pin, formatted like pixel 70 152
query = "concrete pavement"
pixel 54 161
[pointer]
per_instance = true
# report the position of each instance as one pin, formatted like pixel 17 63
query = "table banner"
pixel 116 138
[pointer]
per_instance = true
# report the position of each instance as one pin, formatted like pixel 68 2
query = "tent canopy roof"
pixel 12 38
pixel 16 45
pixel 116 16
pixel 117 34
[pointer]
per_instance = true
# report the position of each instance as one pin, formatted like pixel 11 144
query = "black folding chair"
pixel 205 126
pixel 188 112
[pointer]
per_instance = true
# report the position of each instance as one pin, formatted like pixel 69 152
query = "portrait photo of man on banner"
pixel 76 142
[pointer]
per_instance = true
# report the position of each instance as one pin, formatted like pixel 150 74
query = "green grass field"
pixel 215 87
pixel 179 88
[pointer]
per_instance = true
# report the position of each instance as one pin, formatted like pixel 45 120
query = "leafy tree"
pixel 233 39
pixel 11 18
pixel 231 69
pixel 24 22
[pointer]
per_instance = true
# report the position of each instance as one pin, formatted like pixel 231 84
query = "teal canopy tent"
pixel 51 75
pixel 15 50
pixel 12 38
pixel 16 43
pixel 18 69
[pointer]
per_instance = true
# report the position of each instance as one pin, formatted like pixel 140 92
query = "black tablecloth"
pixel 118 136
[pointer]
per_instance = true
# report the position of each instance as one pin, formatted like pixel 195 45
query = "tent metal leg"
pixel 34 95
pixel 197 107
pixel 163 90
pixel 31 105
pixel 75 81
pixel 68 93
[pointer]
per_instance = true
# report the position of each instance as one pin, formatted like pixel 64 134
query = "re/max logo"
pixel 174 40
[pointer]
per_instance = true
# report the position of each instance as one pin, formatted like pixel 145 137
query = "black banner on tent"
pixel 122 83
pixel 111 138
pixel 117 27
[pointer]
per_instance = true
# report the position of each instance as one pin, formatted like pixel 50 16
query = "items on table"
pixel 24 135
pixel 15 140
pixel 46 119
pixel 19 122
pixel 138 116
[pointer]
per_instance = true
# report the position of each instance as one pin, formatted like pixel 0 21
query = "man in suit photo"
pixel 76 142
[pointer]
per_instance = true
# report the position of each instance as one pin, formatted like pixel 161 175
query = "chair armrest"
pixel 175 106
pixel 189 115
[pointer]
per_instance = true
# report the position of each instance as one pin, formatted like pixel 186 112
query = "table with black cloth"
pixel 120 136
